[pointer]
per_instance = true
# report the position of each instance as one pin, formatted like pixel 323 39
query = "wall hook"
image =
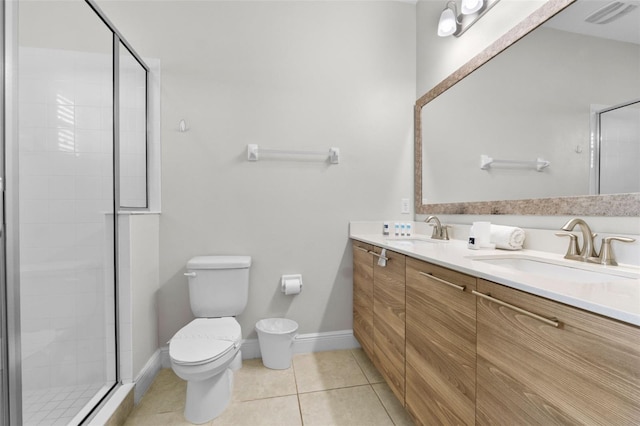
pixel 182 126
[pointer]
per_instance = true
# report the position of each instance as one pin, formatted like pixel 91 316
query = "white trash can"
pixel 275 336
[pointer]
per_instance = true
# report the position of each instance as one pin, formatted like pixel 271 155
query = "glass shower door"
pixel 619 149
pixel 66 211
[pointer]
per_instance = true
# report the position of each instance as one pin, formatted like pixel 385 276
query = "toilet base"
pixel 207 399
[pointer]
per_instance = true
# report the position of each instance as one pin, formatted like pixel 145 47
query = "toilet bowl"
pixel 204 353
pixel 207 350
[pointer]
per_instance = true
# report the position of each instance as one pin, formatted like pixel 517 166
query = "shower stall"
pixel 74 155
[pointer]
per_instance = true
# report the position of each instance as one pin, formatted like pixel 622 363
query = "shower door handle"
pixel 190 274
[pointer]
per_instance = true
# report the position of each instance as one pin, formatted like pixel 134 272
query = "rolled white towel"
pixel 507 237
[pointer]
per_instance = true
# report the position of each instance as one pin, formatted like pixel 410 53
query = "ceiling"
pixel 572 19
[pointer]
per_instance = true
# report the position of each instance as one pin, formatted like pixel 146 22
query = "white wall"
pixel 145 283
pixel 139 282
pixel 303 75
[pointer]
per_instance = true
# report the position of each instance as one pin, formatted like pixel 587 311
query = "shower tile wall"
pixel 65 199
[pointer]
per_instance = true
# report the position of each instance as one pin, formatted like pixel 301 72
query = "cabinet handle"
pixel 440 280
pixel 551 321
pixel 362 249
pixel 379 255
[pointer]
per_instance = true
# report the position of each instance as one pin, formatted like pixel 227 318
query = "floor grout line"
pixel 295 380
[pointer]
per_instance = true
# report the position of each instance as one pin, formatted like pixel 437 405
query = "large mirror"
pixel 528 126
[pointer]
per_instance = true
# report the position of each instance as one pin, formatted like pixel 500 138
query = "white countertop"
pixel 615 296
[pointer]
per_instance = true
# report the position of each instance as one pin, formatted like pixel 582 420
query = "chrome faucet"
pixel 439 232
pixel 587 253
pixel 587 250
pixel 606 256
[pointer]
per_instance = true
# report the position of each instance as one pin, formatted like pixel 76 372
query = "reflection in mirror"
pixel 133 130
pixel 616 149
pixel 533 100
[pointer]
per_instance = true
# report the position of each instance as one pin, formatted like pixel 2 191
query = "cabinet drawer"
pixel 584 371
pixel 441 345
pixel 389 320
pixel 415 268
pixel 363 296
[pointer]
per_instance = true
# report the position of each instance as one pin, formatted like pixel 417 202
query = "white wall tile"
pixel 66 190
pixel 32 115
pixel 89 187
pixel 34 164
pixel 33 139
pixel 88 117
pixel 61 187
pixel 89 140
pixel 61 211
pixel 34 187
pixel 34 211
pixel 61 116
pixel 61 92
pixel 60 163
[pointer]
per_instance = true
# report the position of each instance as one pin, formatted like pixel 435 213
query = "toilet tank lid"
pixel 219 262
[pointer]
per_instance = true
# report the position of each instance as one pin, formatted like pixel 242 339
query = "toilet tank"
pixel 218 285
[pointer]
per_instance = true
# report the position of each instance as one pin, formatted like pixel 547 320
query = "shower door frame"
pixel 4 383
pixel 10 344
pixel 10 259
pixel 596 142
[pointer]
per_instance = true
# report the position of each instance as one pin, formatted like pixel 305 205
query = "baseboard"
pixel 303 343
pixel 147 374
pixel 328 341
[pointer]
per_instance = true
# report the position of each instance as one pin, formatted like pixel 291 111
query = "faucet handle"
pixel 434 233
pixel 606 252
pixel 572 250
pixel 445 231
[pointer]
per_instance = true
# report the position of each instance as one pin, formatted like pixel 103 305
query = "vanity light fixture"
pixel 448 23
pixel 452 23
pixel 471 6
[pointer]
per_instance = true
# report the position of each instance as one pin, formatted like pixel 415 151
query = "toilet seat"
pixel 205 340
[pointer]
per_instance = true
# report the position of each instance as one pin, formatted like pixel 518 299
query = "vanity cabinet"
pixel 363 296
pixel 456 349
pixel 389 320
pixel 584 371
pixel 379 311
pixel 440 345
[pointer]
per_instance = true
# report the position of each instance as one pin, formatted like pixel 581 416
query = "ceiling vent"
pixel 611 12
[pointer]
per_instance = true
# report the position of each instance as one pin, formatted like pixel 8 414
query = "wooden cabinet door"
pixel 389 320
pixel 585 371
pixel 363 296
pixel 441 345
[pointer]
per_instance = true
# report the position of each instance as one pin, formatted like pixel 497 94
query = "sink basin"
pixel 557 270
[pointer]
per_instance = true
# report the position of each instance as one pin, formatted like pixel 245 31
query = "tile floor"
pixel 56 406
pixel 322 388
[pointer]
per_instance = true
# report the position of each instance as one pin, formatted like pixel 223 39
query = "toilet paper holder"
pixel 291 284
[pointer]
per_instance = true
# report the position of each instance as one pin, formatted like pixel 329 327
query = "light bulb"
pixel 447 24
pixel 471 6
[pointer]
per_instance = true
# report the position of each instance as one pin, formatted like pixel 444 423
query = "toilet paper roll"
pixel 291 286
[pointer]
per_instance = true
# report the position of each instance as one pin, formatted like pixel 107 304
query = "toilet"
pixel 207 350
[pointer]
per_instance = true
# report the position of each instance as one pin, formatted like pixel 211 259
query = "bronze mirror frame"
pixel 587 205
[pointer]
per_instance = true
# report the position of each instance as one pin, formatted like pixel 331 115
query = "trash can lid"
pixel 276 325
